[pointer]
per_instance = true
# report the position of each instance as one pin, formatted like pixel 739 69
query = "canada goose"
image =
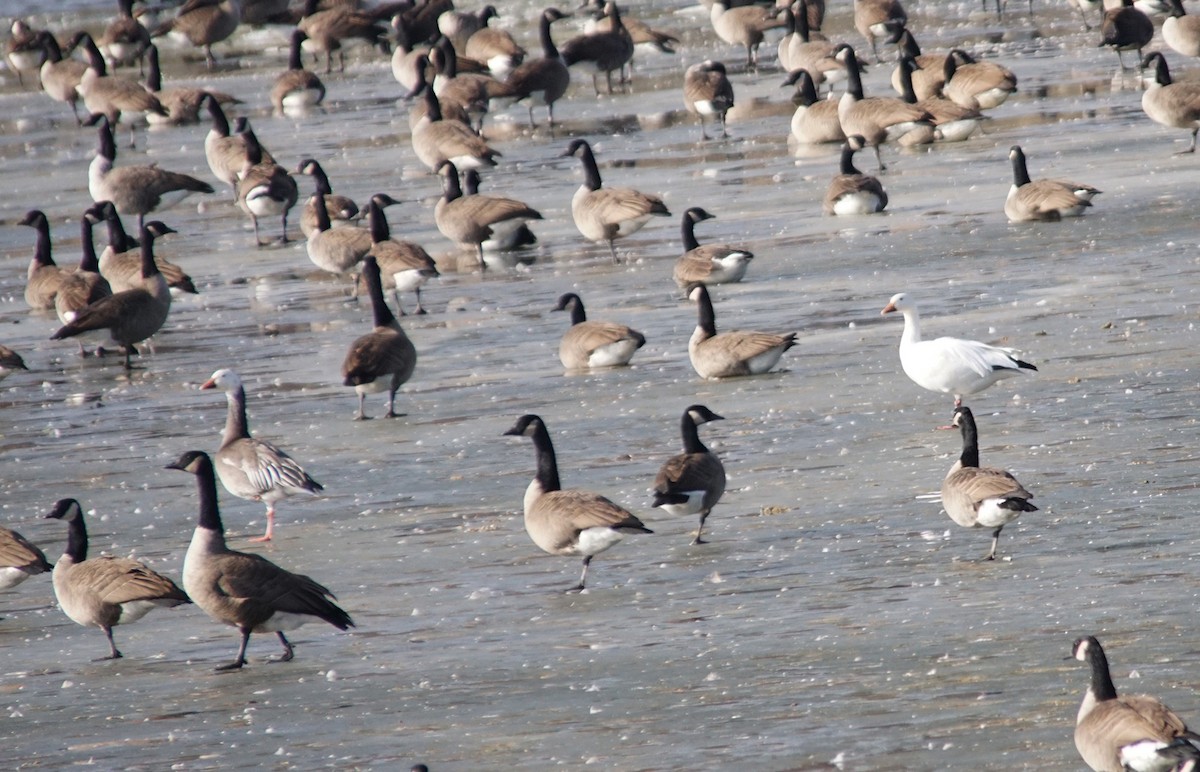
pixel 693 481
pixel 503 240
pixel 436 140
pixel 264 188
pixel 384 358
pixel 800 50
pixel 135 189
pixel 1048 200
pixel 879 20
pixel 452 111
pixel 604 51
pixel 929 74
pixel 110 95
pixel 542 82
pixel 1182 32
pixel 469 92
pixel 950 365
pixel 23 51
pixel 121 260
pixel 296 88
pixel 815 120
pixel 80 288
pixel 243 590
pixel 105 592
pixel 981 496
pixel 403 265
pixel 9 362
pixel 19 559
pixel 1114 733
pixel 851 191
pixel 743 26
pixel 1126 29
pixel 44 276
pixel 952 121
pixel 588 344
pixel 458 26
pixel 327 29
pixel 639 32
pixel 337 250
pixel 977 85
pixel 1175 105
pixel 572 521
pixel 708 92
pixel 731 353
pixel 422 19
pixel 125 39
pixel 130 316
pixel 224 151
pixel 876 119
pixel 182 104
pixel 61 77
pixel 250 468
pixel 607 214
pixel 406 57
pixel 707 264
pixel 203 23
pixel 495 47
pixel 473 221
pixel 341 209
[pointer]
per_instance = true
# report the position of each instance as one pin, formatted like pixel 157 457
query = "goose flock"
pixel 823 585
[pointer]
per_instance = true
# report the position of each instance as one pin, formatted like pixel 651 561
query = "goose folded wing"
pixel 121 580
pixel 688 472
pixel 261 586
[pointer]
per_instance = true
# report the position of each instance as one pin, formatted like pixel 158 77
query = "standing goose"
pixel 436 140
pixel 815 120
pixel 250 468
pixel 800 50
pixel 341 209
pixel 19 559
pixel 467 92
pixel 1126 28
pixel 707 264
pixel 61 77
pixel 243 590
pixel 1180 31
pixel 542 82
pixel 44 276
pixel 1049 200
pixel 1135 733
pixel 406 58
pixel 327 29
pixel 639 32
pixel 135 189
pixel 384 358
pixel 121 260
pixel 296 88
pixel 494 47
pixel 981 496
pixel 476 221
pixel 607 214
pixel 950 365
pixel 1175 105
pixel 602 51
pixel 851 191
pixel 879 20
pixel 503 241
pixel 110 95
pixel 125 39
pixel 224 151
pixel 573 521
pixel 977 85
pixel 707 92
pixel 693 481
pixel 588 344
pixel 403 265
pixel 182 105
pixel 337 250
pixel 105 592
pixel 204 23
pixel 743 26
pixel 876 119
pixel 23 51
pixel 264 188
pixel 130 316
pixel 10 361
pixel 84 286
pixel 928 76
pixel 735 353
pixel 952 121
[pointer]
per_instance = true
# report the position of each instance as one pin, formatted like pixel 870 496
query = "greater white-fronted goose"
pixel 23 51
pixel 44 276
pixel 130 316
pixel 850 191
pixel 1180 31
pixel 981 496
pixel 879 20
pixel 815 120
pixel 264 188
pixel 1174 105
pixel 607 214
pixel 950 365
pixel 204 23
pixel 1135 733
pixel 10 361
pixel 436 140
pixel 494 47
pixel 243 590
pixel 341 209
pixel 384 358
pixel 1051 200
pixel 121 260
pixel 125 40
pixel 80 288
pixel 110 95
pixel 61 77
pixel 403 265
pixel 978 85
pixel 707 264
pixel 296 88
pixel 107 591
pixel 250 468
pixel 1126 28
pixel 182 104
pixel 708 93
pixel 542 82
pixel 327 29
pixel 743 26
pixel 572 521
pixel 473 221
pixel 731 354
pixel 800 50
pixel 19 558
pixel 588 344
pixel 876 119
pixel 952 122
pixel 693 481
pixel 135 189
pixel 602 52
pixel 337 250
pixel 928 76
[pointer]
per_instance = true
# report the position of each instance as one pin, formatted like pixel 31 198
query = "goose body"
pixel 341 210
pixel 107 591
pixel 743 26
pixel 852 192
pixel 707 264
pixel 928 75
pixel 436 140
pixel 735 353
pixel 328 29
pixel 109 95
pixel 182 105
pixel 473 221
pixel 125 39
pixel 224 151
pixel 296 88
pixel 83 286
pixel 879 20
pixel 587 344
pixel 950 365
pixel 19 559
pixel 976 85
pixel 1182 32
pixel 875 119
pixel 383 359
pixel 1126 28
pixel 952 121
pixel 572 521
pixel 1043 199
pixel 264 188
pixel 121 261
pixel 61 77
pixel 603 52
pixel 1175 105
pixel 22 51
pixel 815 120
pixel 542 82
pixel 403 265
pixel 693 481
pixel 336 250
pixel 494 47
pixel 43 277
pixel 800 49
pixel 204 23
pixel 707 93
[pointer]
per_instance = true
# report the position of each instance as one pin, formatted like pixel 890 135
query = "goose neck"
pixel 547 462
pixel 107 147
pixel 1101 687
pixel 77 538
pixel 237 426
pixel 1020 170
pixel 377 222
pixel 209 515
pixel 590 169
pixel 847 164
pixel 688 231
pixel 41 249
pixel 295 62
pixel 88 262
pixel 970 440
pixel 707 319
pixel 691 435
pixel 382 312
pixel 322 211
pixel 549 50
pixel 153 72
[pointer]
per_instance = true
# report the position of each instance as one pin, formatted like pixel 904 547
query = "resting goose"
pixel 476 221
pixel 572 521
pixel 1126 28
pixel 588 344
pixel 876 119
pixel 850 191
pixel 879 20
pixel 327 29
pixel 707 92
pixel 383 359
pixel 341 209
pixel 337 250
pixel 243 590
pixel 83 286
pixel 125 39
pixel 121 260
pixel 61 77
pixel 110 95
pixel 952 122
pixel 264 188
pixel 296 88
pixel 1127 733
pixel 43 277
pixel 204 23
pixel 981 496
pixel 436 140
pixel 976 85
pixel 693 481
pixel 19 559
pixel 466 92
pixel 1051 200
pixel 250 468
pixel 815 120
pixel 950 365
pixel 1175 105
pixel 801 50
pixel 403 265
pixel 494 47
pixel 602 51
pixel 10 361
pixel 928 75
pixel 707 264
pixel 181 104
pixel 743 26
pixel 1180 31
pixel 735 353
pixel 542 82
pixel 407 65
pixel 105 592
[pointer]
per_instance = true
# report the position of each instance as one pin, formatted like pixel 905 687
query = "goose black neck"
pixel 707 319
pixel 1020 170
pixel 377 221
pixel 321 179
pixel 41 249
pixel 449 61
pixel 789 22
pixel 254 151
pixel 125 8
pixel 88 262
pixel 806 90
pixel 153 72
pixel 854 85
pixel 908 45
pixel 451 187
pixel 206 487
pixel 970 440
pixel 547 463
pixel 802 28
pixel 149 267
pixel 220 123
pixel 906 83
pixel 847 166
pixel 323 223
pixel 1102 685
pixel 578 313
pixel 77 538
pixel 118 239
pixel 433 108
pixel 691 435
pixel 107 147
pixel 688 231
pixel 549 50
pixel 294 60
pixel 1162 74
pixel 237 426
pixel 949 68
pixel 590 170
pixel 379 307
pixel 52 49
pixel 95 59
